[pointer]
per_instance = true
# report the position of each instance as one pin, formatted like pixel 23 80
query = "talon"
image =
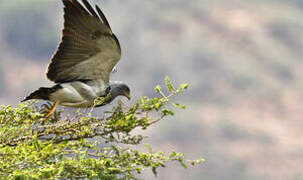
pixel 50 111
pixel 45 108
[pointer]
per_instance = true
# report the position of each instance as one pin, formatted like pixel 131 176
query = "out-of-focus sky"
pixel 242 59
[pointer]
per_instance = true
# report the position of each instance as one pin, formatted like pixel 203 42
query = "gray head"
pixel 119 89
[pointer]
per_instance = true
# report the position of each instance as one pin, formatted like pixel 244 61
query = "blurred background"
pixel 242 59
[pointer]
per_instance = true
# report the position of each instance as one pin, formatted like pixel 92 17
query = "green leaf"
pixel 149 148
pixel 172 155
pixel 158 89
pixel 157 106
pixel 177 105
pixel 183 165
pixel 184 86
pixel 169 85
pixel 168 112
pixel 202 160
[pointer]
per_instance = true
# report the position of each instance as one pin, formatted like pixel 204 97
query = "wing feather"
pixel 101 14
pixel 90 8
pixel 88 50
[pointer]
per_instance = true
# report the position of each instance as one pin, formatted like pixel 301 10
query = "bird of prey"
pixel 84 60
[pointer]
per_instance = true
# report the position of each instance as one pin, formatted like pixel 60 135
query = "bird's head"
pixel 125 91
pixel 120 89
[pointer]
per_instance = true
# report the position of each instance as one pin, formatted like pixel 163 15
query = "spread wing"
pixel 89 50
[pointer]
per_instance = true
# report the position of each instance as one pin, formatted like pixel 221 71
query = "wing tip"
pixel 102 16
pixel 97 12
pixel 90 9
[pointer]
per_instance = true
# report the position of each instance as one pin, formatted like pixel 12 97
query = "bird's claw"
pixel 46 108
pixel 49 110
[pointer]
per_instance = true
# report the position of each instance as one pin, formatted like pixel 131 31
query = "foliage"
pixel 84 146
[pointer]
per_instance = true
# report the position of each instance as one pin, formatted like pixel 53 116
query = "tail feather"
pixel 42 93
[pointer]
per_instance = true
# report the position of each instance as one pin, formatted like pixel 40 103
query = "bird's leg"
pixel 46 108
pixel 51 111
